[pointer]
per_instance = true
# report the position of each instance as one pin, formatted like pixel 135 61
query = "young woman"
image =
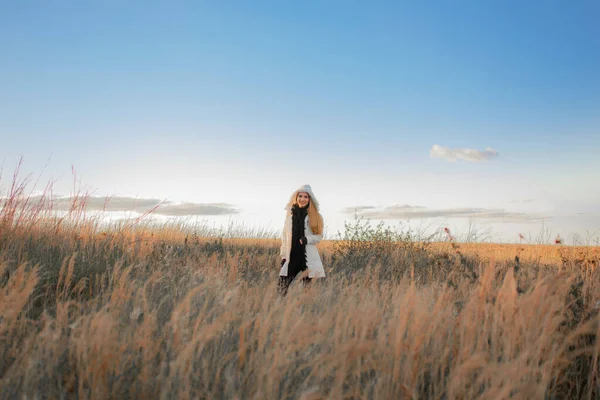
pixel 302 230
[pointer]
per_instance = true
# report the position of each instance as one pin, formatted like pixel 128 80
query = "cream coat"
pixel 313 259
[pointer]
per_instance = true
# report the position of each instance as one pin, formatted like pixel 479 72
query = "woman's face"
pixel 303 199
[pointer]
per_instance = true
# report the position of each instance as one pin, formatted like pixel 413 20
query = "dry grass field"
pixel 159 312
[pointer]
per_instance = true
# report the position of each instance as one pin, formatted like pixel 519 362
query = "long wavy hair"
pixel 315 219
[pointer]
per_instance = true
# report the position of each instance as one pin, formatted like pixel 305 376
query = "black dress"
pixel 297 260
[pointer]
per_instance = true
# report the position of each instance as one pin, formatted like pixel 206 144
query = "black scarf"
pixel 298 253
pixel 298 216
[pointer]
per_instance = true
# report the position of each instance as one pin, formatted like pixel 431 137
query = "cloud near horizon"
pixel 113 204
pixel 522 201
pixel 471 155
pixel 418 212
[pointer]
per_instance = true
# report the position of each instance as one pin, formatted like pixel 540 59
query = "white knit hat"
pixel 302 189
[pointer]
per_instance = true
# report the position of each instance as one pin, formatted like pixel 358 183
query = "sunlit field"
pixel 139 310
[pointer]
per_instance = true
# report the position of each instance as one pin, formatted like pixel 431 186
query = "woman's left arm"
pixel 313 239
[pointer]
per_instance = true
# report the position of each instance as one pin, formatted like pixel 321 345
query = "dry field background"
pixel 145 311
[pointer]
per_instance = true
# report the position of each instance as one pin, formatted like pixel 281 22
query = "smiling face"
pixel 303 199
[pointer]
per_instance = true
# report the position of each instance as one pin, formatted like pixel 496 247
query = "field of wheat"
pixel 159 312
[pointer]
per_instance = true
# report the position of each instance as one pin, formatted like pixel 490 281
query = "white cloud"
pixel 522 201
pixel 357 209
pixel 452 155
pixel 417 212
pixel 139 205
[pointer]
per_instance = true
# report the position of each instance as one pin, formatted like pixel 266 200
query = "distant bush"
pixel 393 252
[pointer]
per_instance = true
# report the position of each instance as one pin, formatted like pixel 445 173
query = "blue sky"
pixel 241 102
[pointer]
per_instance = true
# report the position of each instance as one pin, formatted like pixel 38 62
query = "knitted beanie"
pixel 303 189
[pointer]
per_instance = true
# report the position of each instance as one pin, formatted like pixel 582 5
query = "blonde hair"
pixel 314 217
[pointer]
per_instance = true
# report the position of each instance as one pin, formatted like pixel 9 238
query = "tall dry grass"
pixel 146 312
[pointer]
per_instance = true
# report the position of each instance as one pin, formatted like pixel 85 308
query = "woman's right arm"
pixel 284 236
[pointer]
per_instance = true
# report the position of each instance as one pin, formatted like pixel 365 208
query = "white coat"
pixel 313 259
